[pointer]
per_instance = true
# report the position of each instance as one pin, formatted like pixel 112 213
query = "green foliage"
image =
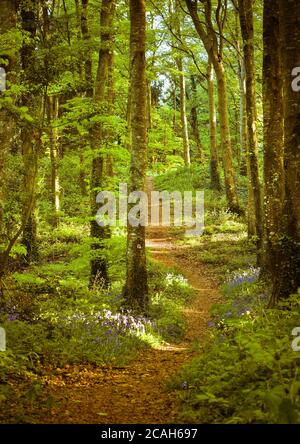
pixel 184 179
pixel 170 291
pixel 248 372
pixel 61 321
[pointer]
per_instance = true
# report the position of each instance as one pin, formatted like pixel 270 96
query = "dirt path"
pixel 136 392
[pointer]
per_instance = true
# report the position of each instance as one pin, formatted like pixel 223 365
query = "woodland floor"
pixel 137 392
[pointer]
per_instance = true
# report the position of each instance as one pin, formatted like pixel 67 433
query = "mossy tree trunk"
pixel 246 22
pixel 103 97
pixel 288 279
pixel 195 123
pixel 8 22
pixel 243 118
pixel 183 115
pixel 136 286
pixel 214 48
pixel 214 162
pixel 52 115
pixel 273 140
pixel 30 133
pixel 88 63
pixel 282 146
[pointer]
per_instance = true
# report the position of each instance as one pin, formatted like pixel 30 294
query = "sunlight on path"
pixel 136 392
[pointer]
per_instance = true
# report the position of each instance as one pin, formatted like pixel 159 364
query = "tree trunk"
pixel 214 163
pixel 136 286
pixel 215 52
pixel 230 186
pixel 82 177
pixel 30 137
pixel 174 120
pixel 194 122
pixel 88 65
pixel 8 22
pixel 246 21
pixel 243 119
pixel 110 99
pixel 99 271
pixel 182 85
pixel 52 111
pixel 183 116
pixel 79 36
pixel 273 142
pixel 289 273
pixel 149 104
pixel 82 27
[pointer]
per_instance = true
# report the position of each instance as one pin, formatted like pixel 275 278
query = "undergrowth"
pixel 247 371
pixel 53 319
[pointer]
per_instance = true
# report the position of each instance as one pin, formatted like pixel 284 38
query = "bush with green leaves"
pixel 169 291
pixel 248 371
pixel 77 324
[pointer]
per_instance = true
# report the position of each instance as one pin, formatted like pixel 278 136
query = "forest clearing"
pixel 149 212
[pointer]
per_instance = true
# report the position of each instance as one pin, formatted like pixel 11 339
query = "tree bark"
pixel 136 286
pixel 88 64
pixel 274 177
pixel 8 21
pixel 52 111
pixel 246 21
pixel 30 136
pixel 194 122
pixel 243 119
pixel 214 50
pixel 183 116
pixel 288 279
pixel 230 185
pixel 214 162
pixel 103 96
pixel 182 84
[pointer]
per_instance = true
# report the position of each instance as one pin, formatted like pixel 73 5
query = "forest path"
pixel 136 393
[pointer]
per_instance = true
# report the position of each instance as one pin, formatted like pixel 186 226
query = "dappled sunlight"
pixel 149 212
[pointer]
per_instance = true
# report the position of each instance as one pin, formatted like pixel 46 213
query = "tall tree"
pixel 243 117
pixel 289 273
pixel 274 188
pixel 83 82
pixel 194 121
pixel 214 162
pixel 103 97
pixel 179 59
pixel 88 64
pixel 136 286
pixel 52 115
pixel 183 115
pixel 246 20
pixel 8 22
pixel 214 48
pixel 30 131
pixel 282 145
